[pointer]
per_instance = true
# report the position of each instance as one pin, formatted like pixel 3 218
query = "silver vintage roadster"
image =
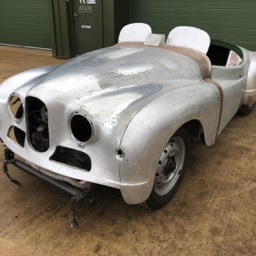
pixel 124 116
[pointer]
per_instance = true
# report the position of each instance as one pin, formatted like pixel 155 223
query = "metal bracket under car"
pixel 77 194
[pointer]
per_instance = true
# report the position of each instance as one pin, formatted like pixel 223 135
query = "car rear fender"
pixel 250 90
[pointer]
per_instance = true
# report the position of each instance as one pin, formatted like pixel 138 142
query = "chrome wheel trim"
pixel 170 165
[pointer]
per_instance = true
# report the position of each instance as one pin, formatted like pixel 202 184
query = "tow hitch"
pixel 77 194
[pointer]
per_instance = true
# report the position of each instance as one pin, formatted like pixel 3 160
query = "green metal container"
pixel 80 26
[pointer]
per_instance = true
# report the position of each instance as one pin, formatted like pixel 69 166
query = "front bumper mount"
pixel 76 193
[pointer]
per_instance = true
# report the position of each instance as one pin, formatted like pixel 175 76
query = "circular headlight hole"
pixel 15 107
pixel 80 128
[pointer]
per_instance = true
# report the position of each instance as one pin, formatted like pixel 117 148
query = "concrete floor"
pixel 213 213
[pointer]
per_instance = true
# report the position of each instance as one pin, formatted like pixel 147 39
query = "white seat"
pixel 135 32
pixel 191 37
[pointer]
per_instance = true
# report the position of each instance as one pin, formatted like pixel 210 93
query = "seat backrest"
pixel 191 37
pixel 134 32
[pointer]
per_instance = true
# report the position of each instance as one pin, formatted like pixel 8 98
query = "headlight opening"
pixel 80 127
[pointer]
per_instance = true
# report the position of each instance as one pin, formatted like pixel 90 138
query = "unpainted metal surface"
pixel 212 214
pixel 250 91
pixel 136 97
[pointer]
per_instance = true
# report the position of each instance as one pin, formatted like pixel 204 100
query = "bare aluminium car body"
pixel 134 97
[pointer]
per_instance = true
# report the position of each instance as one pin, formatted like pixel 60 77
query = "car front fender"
pixel 11 84
pixel 152 127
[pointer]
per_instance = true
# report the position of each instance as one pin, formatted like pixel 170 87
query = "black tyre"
pixel 245 110
pixel 170 170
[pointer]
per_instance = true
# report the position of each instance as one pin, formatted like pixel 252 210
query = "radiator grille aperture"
pixel 37 124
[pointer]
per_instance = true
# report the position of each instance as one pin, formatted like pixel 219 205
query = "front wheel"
pixel 170 170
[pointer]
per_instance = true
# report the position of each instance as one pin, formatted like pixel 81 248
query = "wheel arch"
pixel 137 191
pixel 137 171
pixel 195 130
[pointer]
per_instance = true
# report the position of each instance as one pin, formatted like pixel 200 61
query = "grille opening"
pixel 81 128
pixel 15 106
pixel 72 157
pixel 37 124
pixel 17 135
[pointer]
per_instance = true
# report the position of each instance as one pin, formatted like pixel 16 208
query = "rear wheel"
pixel 246 109
pixel 170 170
